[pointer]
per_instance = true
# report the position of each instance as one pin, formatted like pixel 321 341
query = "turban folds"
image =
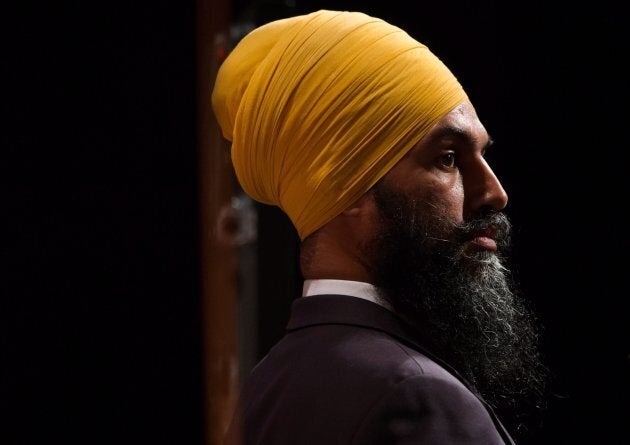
pixel 319 107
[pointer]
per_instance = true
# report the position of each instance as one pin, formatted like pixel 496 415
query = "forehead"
pixel 461 123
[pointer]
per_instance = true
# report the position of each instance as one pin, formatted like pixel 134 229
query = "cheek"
pixel 446 199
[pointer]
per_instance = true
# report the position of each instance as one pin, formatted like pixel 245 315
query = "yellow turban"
pixel 320 106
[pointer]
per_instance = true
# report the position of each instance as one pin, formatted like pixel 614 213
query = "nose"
pixel 485 190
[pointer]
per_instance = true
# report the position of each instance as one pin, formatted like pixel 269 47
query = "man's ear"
pixel 362 206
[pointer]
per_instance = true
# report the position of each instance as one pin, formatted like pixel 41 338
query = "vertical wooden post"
pixel 218 254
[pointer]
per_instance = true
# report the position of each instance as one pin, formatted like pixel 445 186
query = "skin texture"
pixel 447 167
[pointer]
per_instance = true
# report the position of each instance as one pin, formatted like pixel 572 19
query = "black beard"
pixel 464 305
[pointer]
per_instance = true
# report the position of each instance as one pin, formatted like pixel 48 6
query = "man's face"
pixel 448 168
pixel 438 256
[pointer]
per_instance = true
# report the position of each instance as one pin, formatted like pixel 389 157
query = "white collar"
pixel 357 289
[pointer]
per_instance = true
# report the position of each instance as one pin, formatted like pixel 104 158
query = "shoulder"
pixel 428 408
pixel 362 352
pixel 349 384
pixel 371 351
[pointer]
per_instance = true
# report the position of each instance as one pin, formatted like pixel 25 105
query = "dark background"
pixel 100 306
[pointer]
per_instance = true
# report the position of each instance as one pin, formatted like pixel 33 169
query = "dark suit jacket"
pixel 349 371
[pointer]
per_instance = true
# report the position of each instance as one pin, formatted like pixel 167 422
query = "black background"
pixel 100 307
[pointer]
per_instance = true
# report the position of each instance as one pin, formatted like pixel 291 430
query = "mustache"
pixel 492 222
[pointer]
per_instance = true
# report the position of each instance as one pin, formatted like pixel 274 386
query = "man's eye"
pixel 448 160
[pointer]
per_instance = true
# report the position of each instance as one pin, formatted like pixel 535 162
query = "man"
pixel 371 146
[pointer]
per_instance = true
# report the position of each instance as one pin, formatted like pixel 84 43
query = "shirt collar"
pixel 358 289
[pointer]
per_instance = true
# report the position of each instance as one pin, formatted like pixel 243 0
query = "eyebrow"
pixel 458 133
